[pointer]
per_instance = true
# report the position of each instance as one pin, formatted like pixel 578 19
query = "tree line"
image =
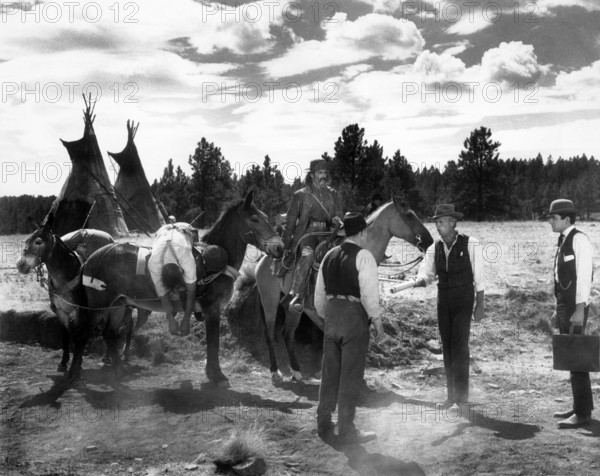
pixel 481 184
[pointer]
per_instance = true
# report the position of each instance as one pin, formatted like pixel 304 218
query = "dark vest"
pixel 340 275
pixel 458 272
pixel 565 281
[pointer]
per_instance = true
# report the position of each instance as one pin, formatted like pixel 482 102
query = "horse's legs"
pixel 292 319
pixel 269 312
pixel 111 334
pixel 128 319
pixel 66 341
pixel 212 315
pixel 142 318
pixel 80 332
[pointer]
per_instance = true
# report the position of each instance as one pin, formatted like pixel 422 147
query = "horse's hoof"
pixel 317 375
pixel 174 328
pixel 222 384
pixel 61 368
pixel 296 375
pixel 276 376
pixel 184 328
pixel 74 377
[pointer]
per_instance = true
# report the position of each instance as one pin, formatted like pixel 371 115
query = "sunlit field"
pixel 517 255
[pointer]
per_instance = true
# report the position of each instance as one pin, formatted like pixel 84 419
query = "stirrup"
pixel 296 303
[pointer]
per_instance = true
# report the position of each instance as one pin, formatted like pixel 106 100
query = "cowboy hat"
pixel 446 210
pixel 318 164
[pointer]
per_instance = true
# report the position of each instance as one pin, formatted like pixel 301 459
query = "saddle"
pixel 289 261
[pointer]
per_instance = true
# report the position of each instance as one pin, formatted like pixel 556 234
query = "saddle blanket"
pixel 142 260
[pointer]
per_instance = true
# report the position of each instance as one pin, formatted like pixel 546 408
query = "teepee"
pixel 87 199
pixel 133 190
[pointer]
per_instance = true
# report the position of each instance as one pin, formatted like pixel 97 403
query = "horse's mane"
pixel 377 212
pixel 218 226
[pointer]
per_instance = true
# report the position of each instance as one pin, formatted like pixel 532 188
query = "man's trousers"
pixel 345 345
pixel 455 308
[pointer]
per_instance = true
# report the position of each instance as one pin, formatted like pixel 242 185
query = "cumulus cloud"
pixel 347 42
pixel 438 68
pixel 583 84
pixel 511 63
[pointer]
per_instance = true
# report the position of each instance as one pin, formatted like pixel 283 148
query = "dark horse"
pixel 64 266
pixel 392 219
pixel 111 283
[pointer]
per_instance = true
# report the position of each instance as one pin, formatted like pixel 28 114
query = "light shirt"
pixel 582 248
pixel 427 268
pixel 368 280
pixel 171 246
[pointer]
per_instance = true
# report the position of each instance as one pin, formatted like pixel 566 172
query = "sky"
pixel 284 78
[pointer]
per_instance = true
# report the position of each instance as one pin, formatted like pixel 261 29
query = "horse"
pixel 394 218
pixel 111 283
pixel 64 266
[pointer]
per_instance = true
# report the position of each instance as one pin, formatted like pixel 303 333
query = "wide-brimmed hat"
pixel 354 223
pixel 446 210
pixel 561 206
pixel 318 164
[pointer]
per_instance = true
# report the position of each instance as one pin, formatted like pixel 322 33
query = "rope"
pixel 93 308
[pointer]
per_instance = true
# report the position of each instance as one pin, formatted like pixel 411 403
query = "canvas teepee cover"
pixel 133 190
pixel 87 199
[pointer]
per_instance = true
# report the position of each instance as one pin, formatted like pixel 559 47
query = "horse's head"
pixel 409 227
pixel 257 231
pixel 38 247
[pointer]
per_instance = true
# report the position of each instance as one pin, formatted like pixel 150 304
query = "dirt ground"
pixel 165 418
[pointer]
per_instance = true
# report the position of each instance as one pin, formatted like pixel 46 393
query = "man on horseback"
pixel 312 211
pixel 172 266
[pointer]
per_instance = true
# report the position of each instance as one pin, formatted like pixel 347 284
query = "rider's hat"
pixel 318 164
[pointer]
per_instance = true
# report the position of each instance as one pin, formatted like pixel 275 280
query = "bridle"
pixel 260 244
pixel 39 260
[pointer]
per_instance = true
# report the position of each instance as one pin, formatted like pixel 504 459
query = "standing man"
pixel 173 248
pixel 572 285
pixel 314 208
pixel 457 262
pixel 347 296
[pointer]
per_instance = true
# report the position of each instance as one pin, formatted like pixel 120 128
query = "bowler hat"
pixel 561 206
pixel 318 164
pixel 354 223
pixel 446 210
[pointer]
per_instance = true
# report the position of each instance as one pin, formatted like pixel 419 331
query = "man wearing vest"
pixel 572 284
pixel 173 248
pixel 457 262
pixel 313 209
pixel 347 296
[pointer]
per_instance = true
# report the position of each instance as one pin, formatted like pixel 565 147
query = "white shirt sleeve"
pixel 368 280
pixel 427 267
pixel 476 257
pixel 583 265
pixel 320 296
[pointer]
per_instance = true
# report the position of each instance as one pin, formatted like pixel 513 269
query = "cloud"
pixel 583 84
pixel 433 67
pixel 543 7
pixel 346 42
pixel 512 62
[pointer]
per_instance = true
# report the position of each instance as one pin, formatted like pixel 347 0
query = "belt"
pixel 318 224
pixel 343 296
